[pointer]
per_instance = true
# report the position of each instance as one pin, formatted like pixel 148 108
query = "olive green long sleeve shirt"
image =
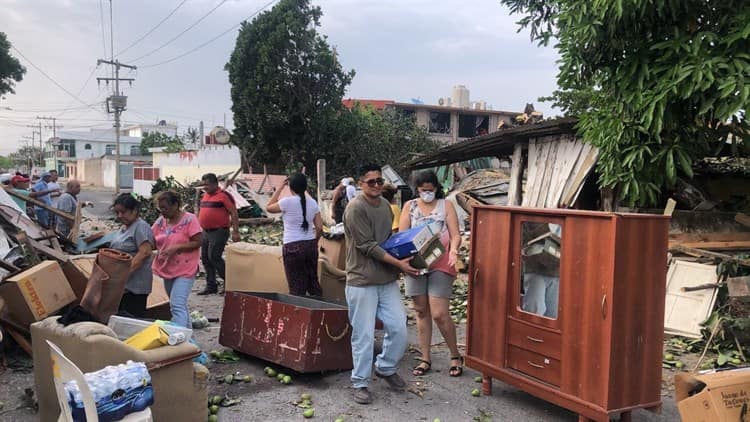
pixel 366 226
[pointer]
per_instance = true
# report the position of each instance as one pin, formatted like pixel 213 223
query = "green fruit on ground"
pixel 213 418
pixel 475 392
pixel 216 399
pixel 229 379
pixel 736 361
pixel 668 356
pixel 477 379
pixel 280 376
pixel 436 420
pixel 214 409
pixel 305 396
pixel 339 420
pixel 247 378
pixel 287 379
pixel 271 372
pixel 309 413
pixel 679 365
pixel 215 353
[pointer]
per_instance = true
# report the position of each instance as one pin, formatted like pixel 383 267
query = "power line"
pixel 152 29
pixel 50 78
pixel 211 40
pixel 80 91
pixel 104 38
pixel 181 33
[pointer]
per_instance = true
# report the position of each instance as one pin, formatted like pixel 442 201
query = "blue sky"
pixel 399 49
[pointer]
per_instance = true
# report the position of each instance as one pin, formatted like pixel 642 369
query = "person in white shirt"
pixel 300 250
pixel 351 191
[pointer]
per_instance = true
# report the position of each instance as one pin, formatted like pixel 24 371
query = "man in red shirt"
pixel 217 211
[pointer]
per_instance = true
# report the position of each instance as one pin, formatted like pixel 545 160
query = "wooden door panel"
pixel 585 298
pixel 488 274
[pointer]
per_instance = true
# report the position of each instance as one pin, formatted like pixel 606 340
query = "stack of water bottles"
pixel 117 391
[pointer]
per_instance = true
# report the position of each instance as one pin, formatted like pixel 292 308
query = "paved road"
pixel 101 198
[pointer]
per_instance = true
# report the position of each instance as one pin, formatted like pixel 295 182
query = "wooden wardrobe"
pixel 586 336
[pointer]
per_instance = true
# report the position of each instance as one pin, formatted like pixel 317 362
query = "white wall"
pixel 189 166
pixel 143 187
pixel 108 173
pixel 99 148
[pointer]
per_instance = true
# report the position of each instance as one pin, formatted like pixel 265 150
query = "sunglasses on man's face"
pixel 372 182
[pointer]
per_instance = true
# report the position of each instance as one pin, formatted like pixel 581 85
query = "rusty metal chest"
pixel 302 334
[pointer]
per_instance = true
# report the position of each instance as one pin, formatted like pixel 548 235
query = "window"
pixel 440 122
pixel 471 125
pixel 87 147
pixel 109 150
pixel 135 149
pixel 407 113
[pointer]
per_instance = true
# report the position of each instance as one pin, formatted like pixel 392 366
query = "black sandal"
pixel 456 371
pixel 420 370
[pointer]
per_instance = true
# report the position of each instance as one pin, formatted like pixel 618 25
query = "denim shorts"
pixel 434 283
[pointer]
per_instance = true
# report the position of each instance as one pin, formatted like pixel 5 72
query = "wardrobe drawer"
pixel 535 339
pixel 533 364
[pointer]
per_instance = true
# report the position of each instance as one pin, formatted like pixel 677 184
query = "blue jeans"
pixel 366 303
pixel 178 290
pixel 541 294
pixel 42 217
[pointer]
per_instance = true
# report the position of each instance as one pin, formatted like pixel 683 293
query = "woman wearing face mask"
pixel 136 239
pixel 432 292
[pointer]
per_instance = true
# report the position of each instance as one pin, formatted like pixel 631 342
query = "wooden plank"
pixel 739 286
pixel 516 176
pixel 581 174
pixel 50 252
pixel 19 337
pixel 702 252
pixel 531 175
pixel 321 178
pixel 41 204
pixel 743 219
pixel 669 209
pixel 549 164
pixel 679 238
pixel 569 160
pixel 727 245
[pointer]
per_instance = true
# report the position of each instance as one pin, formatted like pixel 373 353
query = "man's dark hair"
pixel 210 178
pixel 389 191
pixel 53 171
pixel 366 168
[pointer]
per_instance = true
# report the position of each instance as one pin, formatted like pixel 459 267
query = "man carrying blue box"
pixel 372 290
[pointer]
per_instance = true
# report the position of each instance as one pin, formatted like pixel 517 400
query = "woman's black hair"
pixel 429 176
pixel 171 197
pixel 298 185
pixel 127 201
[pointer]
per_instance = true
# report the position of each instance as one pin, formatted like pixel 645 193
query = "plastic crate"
pixel 125 328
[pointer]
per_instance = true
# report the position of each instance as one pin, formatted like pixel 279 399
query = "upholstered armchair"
pixel 180 386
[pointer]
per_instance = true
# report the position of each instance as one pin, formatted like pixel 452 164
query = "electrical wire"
pixel 50 78
pixel 152 29
pixel 209 41
pixel 180 34
pixel 80 91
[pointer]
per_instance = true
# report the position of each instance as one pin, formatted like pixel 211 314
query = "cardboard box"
pixel 255 268
pixel 334 250
pixel 720 396
pixel 407 243
pixel 36 293
pixel 428 254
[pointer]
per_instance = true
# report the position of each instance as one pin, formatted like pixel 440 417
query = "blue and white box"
pixel 408 243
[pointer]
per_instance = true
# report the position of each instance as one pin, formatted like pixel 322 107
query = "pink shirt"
pixel 185 263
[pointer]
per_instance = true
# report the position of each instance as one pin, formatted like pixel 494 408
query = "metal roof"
pixel 498 143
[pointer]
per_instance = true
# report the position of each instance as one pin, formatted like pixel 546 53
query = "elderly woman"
pixel 135 239
pixel 178 240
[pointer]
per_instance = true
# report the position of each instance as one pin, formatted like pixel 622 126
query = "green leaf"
pixel 670 168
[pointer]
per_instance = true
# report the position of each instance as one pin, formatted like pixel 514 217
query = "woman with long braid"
pixel 300 250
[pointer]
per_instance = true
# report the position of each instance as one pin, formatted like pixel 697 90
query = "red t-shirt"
pixel 215 210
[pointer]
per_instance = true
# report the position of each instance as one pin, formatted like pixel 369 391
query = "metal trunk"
pixel 298 333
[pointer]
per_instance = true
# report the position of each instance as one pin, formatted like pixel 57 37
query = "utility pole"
pixel 54 137
pixel 41 141
pixel 116 104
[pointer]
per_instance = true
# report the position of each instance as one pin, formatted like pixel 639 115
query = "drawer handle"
pixel 535 365
pixel 476 276
pixel 535 340
pixel 604 307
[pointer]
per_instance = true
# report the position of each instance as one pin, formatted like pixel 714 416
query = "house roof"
pixel 350 103
pixel 450 109
pixel 97 135
pixel 498 143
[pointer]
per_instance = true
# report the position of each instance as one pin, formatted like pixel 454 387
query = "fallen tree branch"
pixel 704 253
pixel 41 204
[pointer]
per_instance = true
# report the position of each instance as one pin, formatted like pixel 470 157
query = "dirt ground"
pixel 265 399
